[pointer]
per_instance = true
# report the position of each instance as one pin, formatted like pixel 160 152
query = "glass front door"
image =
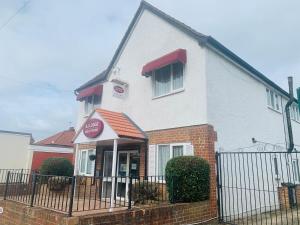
pixel 127 165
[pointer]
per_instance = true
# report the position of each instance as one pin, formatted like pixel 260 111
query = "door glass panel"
pixel 134 165
pixel 122 166
pixel 108 156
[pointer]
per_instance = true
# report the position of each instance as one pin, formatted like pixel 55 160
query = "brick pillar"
pixel 204 146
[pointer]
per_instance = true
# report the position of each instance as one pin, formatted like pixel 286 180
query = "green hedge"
pixel 188 179
pixel 57 167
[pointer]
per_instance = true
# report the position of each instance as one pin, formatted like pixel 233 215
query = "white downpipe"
pixel 113 175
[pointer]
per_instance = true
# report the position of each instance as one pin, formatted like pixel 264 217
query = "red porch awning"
pixel 95 90
pixel 177 56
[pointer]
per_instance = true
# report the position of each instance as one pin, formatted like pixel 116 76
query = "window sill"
pixel 274 110
pixel 171 93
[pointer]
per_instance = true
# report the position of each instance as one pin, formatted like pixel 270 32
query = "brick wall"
pixel 19 214
pixel 187 213
pixel 203 138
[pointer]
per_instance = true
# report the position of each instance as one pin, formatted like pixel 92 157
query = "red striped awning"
pixel 177 56
pixel 95 90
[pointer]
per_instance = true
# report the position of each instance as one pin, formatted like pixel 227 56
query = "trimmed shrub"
pixel 187 179
pixel 57 167
pixel 145 191
pixel 57 183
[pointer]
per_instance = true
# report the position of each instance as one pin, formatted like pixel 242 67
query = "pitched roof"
pixel 203 40
pixel 121 124
pixel 62 139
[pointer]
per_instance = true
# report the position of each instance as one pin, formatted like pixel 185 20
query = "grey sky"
pixel 53 46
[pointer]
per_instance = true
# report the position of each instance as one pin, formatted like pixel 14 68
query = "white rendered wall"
pixel 237 107
pixel 151 38
pixel 14 153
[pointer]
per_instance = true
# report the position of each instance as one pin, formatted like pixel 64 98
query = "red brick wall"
pixel 203 138
pixel 39 157
pixel 19 214
pixel 187 213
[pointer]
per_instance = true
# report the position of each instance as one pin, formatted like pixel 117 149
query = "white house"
pixel 14 150
pixel 170 90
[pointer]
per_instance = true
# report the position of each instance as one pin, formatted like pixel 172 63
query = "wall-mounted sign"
pixel 120 90
pixel 1 210
pixel 93 128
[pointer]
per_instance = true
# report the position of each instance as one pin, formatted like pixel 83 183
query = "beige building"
pixel 14 151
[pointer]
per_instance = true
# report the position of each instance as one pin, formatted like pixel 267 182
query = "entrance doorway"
pixel 128 163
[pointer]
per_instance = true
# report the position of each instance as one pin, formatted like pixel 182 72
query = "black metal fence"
pixel 258 187
pixel 82 193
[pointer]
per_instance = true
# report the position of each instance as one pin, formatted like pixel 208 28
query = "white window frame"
pixel 88 107
pixel 84 173
pixel 171 145
pixel 271 94
pixel 294 112
pixel 172 90
pixel 296 170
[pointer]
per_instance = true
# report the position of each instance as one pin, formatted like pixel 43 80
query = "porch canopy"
pixel 107 127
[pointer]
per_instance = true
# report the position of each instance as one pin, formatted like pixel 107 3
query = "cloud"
pixel 51 47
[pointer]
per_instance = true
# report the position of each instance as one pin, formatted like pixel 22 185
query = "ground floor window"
pixel 162 153
pixel 86 164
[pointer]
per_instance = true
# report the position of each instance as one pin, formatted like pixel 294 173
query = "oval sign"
pixel 119 89
pixel 93 128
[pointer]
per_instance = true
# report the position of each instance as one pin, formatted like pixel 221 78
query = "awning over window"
pixel 95 90
pixel 177 56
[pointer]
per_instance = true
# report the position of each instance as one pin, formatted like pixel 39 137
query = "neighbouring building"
pixel 59 145
pixel 14 150
pixel 169 91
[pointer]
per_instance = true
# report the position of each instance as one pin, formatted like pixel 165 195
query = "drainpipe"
pixel 288 116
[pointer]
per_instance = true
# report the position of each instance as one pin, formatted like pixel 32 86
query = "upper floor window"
pixel 168 79
pixel 90 103
pixel 273 99
pixel 294 111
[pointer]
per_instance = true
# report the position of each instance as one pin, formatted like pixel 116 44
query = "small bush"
pixel 187 179
pixel 57 167
pixel 145 191
pixel 57 183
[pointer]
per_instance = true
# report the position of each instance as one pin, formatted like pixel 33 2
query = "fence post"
pixel 6 185
pixel 33 189
pixel 219 187
pixel 172 190
pixel 130 192
pixel 71 197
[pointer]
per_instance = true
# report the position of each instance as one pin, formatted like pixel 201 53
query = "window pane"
pixel 177 76
pixel 272 99
pixel 277 102
pixel 89 165
pixel 83 162
pixel 177 151
pixel 162 82
pixel 96 99
pixel 269 97
pixel 163 158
